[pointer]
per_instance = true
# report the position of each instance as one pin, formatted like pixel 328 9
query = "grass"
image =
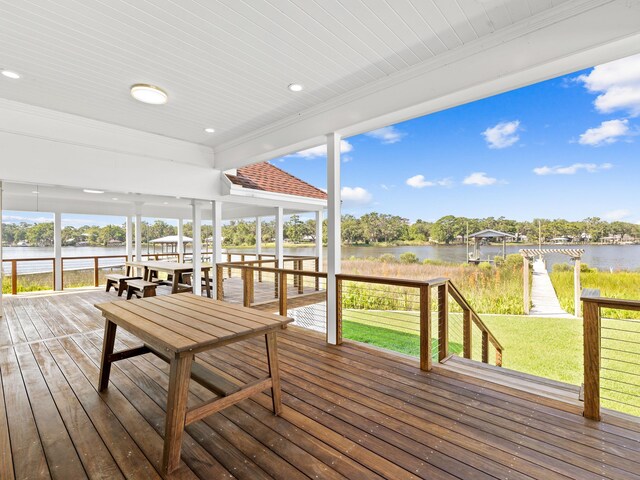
pixel 611 284
pixel 546 347
pixel 44 281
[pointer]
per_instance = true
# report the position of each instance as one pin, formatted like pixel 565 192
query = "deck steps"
pixel 525 382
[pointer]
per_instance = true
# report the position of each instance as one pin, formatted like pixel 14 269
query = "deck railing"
pixel 395 311
pixel 611 356
pixel 76 270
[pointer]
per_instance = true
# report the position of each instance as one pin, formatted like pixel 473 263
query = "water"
pixel 603 257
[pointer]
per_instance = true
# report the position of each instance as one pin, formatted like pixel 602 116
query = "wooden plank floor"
pixel 349 412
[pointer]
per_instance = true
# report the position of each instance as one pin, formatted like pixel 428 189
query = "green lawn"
pixel 547 347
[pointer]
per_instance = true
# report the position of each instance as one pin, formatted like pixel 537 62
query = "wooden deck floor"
pixel 350 412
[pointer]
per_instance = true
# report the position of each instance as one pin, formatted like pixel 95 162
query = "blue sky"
pixel 563 148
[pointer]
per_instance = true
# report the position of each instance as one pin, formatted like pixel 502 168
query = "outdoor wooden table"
pixel 176 327
pixel 176 270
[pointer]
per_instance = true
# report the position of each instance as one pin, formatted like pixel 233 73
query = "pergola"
pixel 574 254
pixel 69 123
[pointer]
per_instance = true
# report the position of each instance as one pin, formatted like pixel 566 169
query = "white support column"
pixel 216 232
pixel 576 288
pixel 280 236
pixel 258 236
pixel 1 253
pixel 197 248
pixel 319 220
pixel 138 236
pixel 57 250
pixel 129 237
pixel 180 240
pixel 334 234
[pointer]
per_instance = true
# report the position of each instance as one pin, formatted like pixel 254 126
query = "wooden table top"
pixel 166 266
pixel 189 323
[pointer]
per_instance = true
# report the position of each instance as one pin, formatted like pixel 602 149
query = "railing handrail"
pixel 459 298
pixel 396 282
pixel 288 271
pixel 593 295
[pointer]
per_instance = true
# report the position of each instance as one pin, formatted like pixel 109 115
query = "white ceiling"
pixel 226 63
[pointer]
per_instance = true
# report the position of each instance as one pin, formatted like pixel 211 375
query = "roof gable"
pixel 269 178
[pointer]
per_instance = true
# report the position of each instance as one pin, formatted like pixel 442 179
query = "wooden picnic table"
pixel 176 327
pixel 176 270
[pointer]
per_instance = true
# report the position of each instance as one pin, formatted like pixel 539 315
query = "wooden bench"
pixel 141 287
pixel 114 279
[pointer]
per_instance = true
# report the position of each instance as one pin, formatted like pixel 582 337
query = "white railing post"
pixel 138 234
pixel 334 235
pixel 57 248
pixel 258 237
pixel 180 245
pixel 129 237
pixel 197 249
pixel 216 247
pixel 319 220
pixel 280 236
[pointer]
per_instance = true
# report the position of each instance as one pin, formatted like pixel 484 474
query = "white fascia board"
pixel 35 160
pixel 570 37
pixel 261 197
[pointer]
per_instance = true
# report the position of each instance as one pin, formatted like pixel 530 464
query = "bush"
pixel 429 261
pixel 498 261
pixel 484 266
pixel 387 258
pixel 561 267
pixel 409 257
pixel 513 260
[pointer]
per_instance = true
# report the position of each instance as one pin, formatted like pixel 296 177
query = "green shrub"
pixel 498 261
pixel 409 257
pixel 387 258
pixel 561 267
pixel 485 266
pixel 513 260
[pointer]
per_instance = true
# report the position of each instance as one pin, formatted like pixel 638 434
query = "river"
pixel 603 257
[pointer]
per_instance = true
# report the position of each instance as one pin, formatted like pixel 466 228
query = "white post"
pixel 319 220
pixel 258 237
pixel 280 236
pixel 138 236
pixel 216 247
pixel 334 234
pixel 197 248
pixel 180 240
pixel 576 288
pixel 57 250
pixel 1 253
pixel 129 237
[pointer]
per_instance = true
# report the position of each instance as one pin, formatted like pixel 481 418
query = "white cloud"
pixel 355 196
pixel 321 150
pixel 618 85
pixel 608 132
pixel 386 134
pixel 614 215
pixel 479 179
pixel 418 181
pixel 502 135
pixel 572 169
pixel 19 218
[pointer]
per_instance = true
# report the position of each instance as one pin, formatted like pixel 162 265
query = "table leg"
pixel 175 282
pixel 274 372
pixel 107 349
pixel 207 282
pixel 179 376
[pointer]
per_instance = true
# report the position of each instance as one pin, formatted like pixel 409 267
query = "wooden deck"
pixel 349 412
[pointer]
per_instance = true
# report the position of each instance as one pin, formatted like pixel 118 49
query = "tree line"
pixel 371 228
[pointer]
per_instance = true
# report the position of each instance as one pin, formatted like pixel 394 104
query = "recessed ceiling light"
pixel 165 203
pixel 11 74
pixel 35 192
pixel 114 199
pixel 210 130
pixel 88 190
pixel 178 198
pixel 149 94
pixel 295 87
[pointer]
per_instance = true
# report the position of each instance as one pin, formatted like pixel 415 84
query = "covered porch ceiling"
pixel 70 121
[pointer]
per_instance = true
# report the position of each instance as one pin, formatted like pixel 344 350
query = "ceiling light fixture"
pixel 210 130
pixel 89 190
pixel 35 192
pixel 295 87
pixel 115 199
pixel 11 74
pixel 150 94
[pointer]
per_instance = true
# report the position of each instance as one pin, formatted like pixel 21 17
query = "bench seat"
pixel 119 280
pixel 141 288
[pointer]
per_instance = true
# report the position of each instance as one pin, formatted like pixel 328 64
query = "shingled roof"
pixel 266 177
